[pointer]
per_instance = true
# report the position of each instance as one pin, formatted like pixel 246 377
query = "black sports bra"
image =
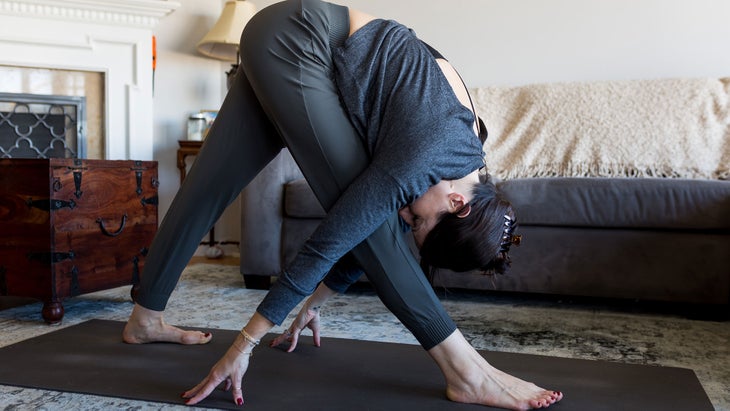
pixel 481 128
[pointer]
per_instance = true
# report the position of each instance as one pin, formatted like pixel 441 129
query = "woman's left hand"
pixel 229 370
pixel 307 318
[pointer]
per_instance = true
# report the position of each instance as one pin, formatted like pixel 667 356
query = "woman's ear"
pixel 458 205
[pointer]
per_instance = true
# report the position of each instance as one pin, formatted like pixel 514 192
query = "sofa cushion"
pixel 300 202
pixel 649 203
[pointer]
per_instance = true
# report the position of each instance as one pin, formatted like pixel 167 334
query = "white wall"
pixel 491 42
pixel 185 82
pixel 512 42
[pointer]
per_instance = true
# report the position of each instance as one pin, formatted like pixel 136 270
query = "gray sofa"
pixel 597 220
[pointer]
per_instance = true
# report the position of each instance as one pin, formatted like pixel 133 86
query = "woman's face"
pixel 424 213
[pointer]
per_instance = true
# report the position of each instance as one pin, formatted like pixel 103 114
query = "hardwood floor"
pixel 225 260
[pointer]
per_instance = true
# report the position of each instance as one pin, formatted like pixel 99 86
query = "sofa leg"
pixel 257 282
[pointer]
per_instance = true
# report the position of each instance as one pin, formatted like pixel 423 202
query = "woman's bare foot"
pixel 146 326
pixel 499 389
pixel 471 379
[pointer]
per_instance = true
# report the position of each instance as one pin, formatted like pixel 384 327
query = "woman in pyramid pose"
pixel 384 131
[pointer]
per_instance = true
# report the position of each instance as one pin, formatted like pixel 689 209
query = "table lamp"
pixel 222 40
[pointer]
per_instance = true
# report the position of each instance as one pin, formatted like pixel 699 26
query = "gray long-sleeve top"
pixel 416 131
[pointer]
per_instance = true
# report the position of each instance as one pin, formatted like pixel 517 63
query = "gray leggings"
pixel 285 97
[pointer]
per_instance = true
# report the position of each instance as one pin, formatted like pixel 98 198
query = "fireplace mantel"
pixel 138 13
pixel 109 36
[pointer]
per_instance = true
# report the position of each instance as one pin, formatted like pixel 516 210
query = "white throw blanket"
pixel 677 128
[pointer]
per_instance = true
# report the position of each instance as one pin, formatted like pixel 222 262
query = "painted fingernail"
pixel 239 401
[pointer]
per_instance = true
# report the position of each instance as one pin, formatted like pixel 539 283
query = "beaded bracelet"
pixel 249 353
pixel 248 338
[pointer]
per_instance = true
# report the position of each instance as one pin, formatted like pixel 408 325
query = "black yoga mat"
pixel 341 375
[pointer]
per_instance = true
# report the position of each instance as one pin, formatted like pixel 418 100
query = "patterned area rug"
pixel 214 296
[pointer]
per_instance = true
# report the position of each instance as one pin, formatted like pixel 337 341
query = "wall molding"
pixel 132 13
pixel 113 37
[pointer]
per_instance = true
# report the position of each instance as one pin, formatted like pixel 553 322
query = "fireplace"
pixel 109 38
pixel 42 126
pixel 43 94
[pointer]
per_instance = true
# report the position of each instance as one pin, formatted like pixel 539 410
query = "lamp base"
pixel 230 75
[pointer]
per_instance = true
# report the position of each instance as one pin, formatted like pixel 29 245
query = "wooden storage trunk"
pixel 69 226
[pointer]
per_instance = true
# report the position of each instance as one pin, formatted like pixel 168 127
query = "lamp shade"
pixel 222 40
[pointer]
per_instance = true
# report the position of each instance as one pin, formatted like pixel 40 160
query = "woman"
pixel 379 125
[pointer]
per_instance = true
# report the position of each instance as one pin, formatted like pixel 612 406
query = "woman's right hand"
pixel 229 369
pixel 234 363
pixel 308 317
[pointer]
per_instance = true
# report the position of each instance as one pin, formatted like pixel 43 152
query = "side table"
pixel 191 148
pixel 187 148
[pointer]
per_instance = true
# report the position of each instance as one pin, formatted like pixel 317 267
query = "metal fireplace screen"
pixel 42 126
